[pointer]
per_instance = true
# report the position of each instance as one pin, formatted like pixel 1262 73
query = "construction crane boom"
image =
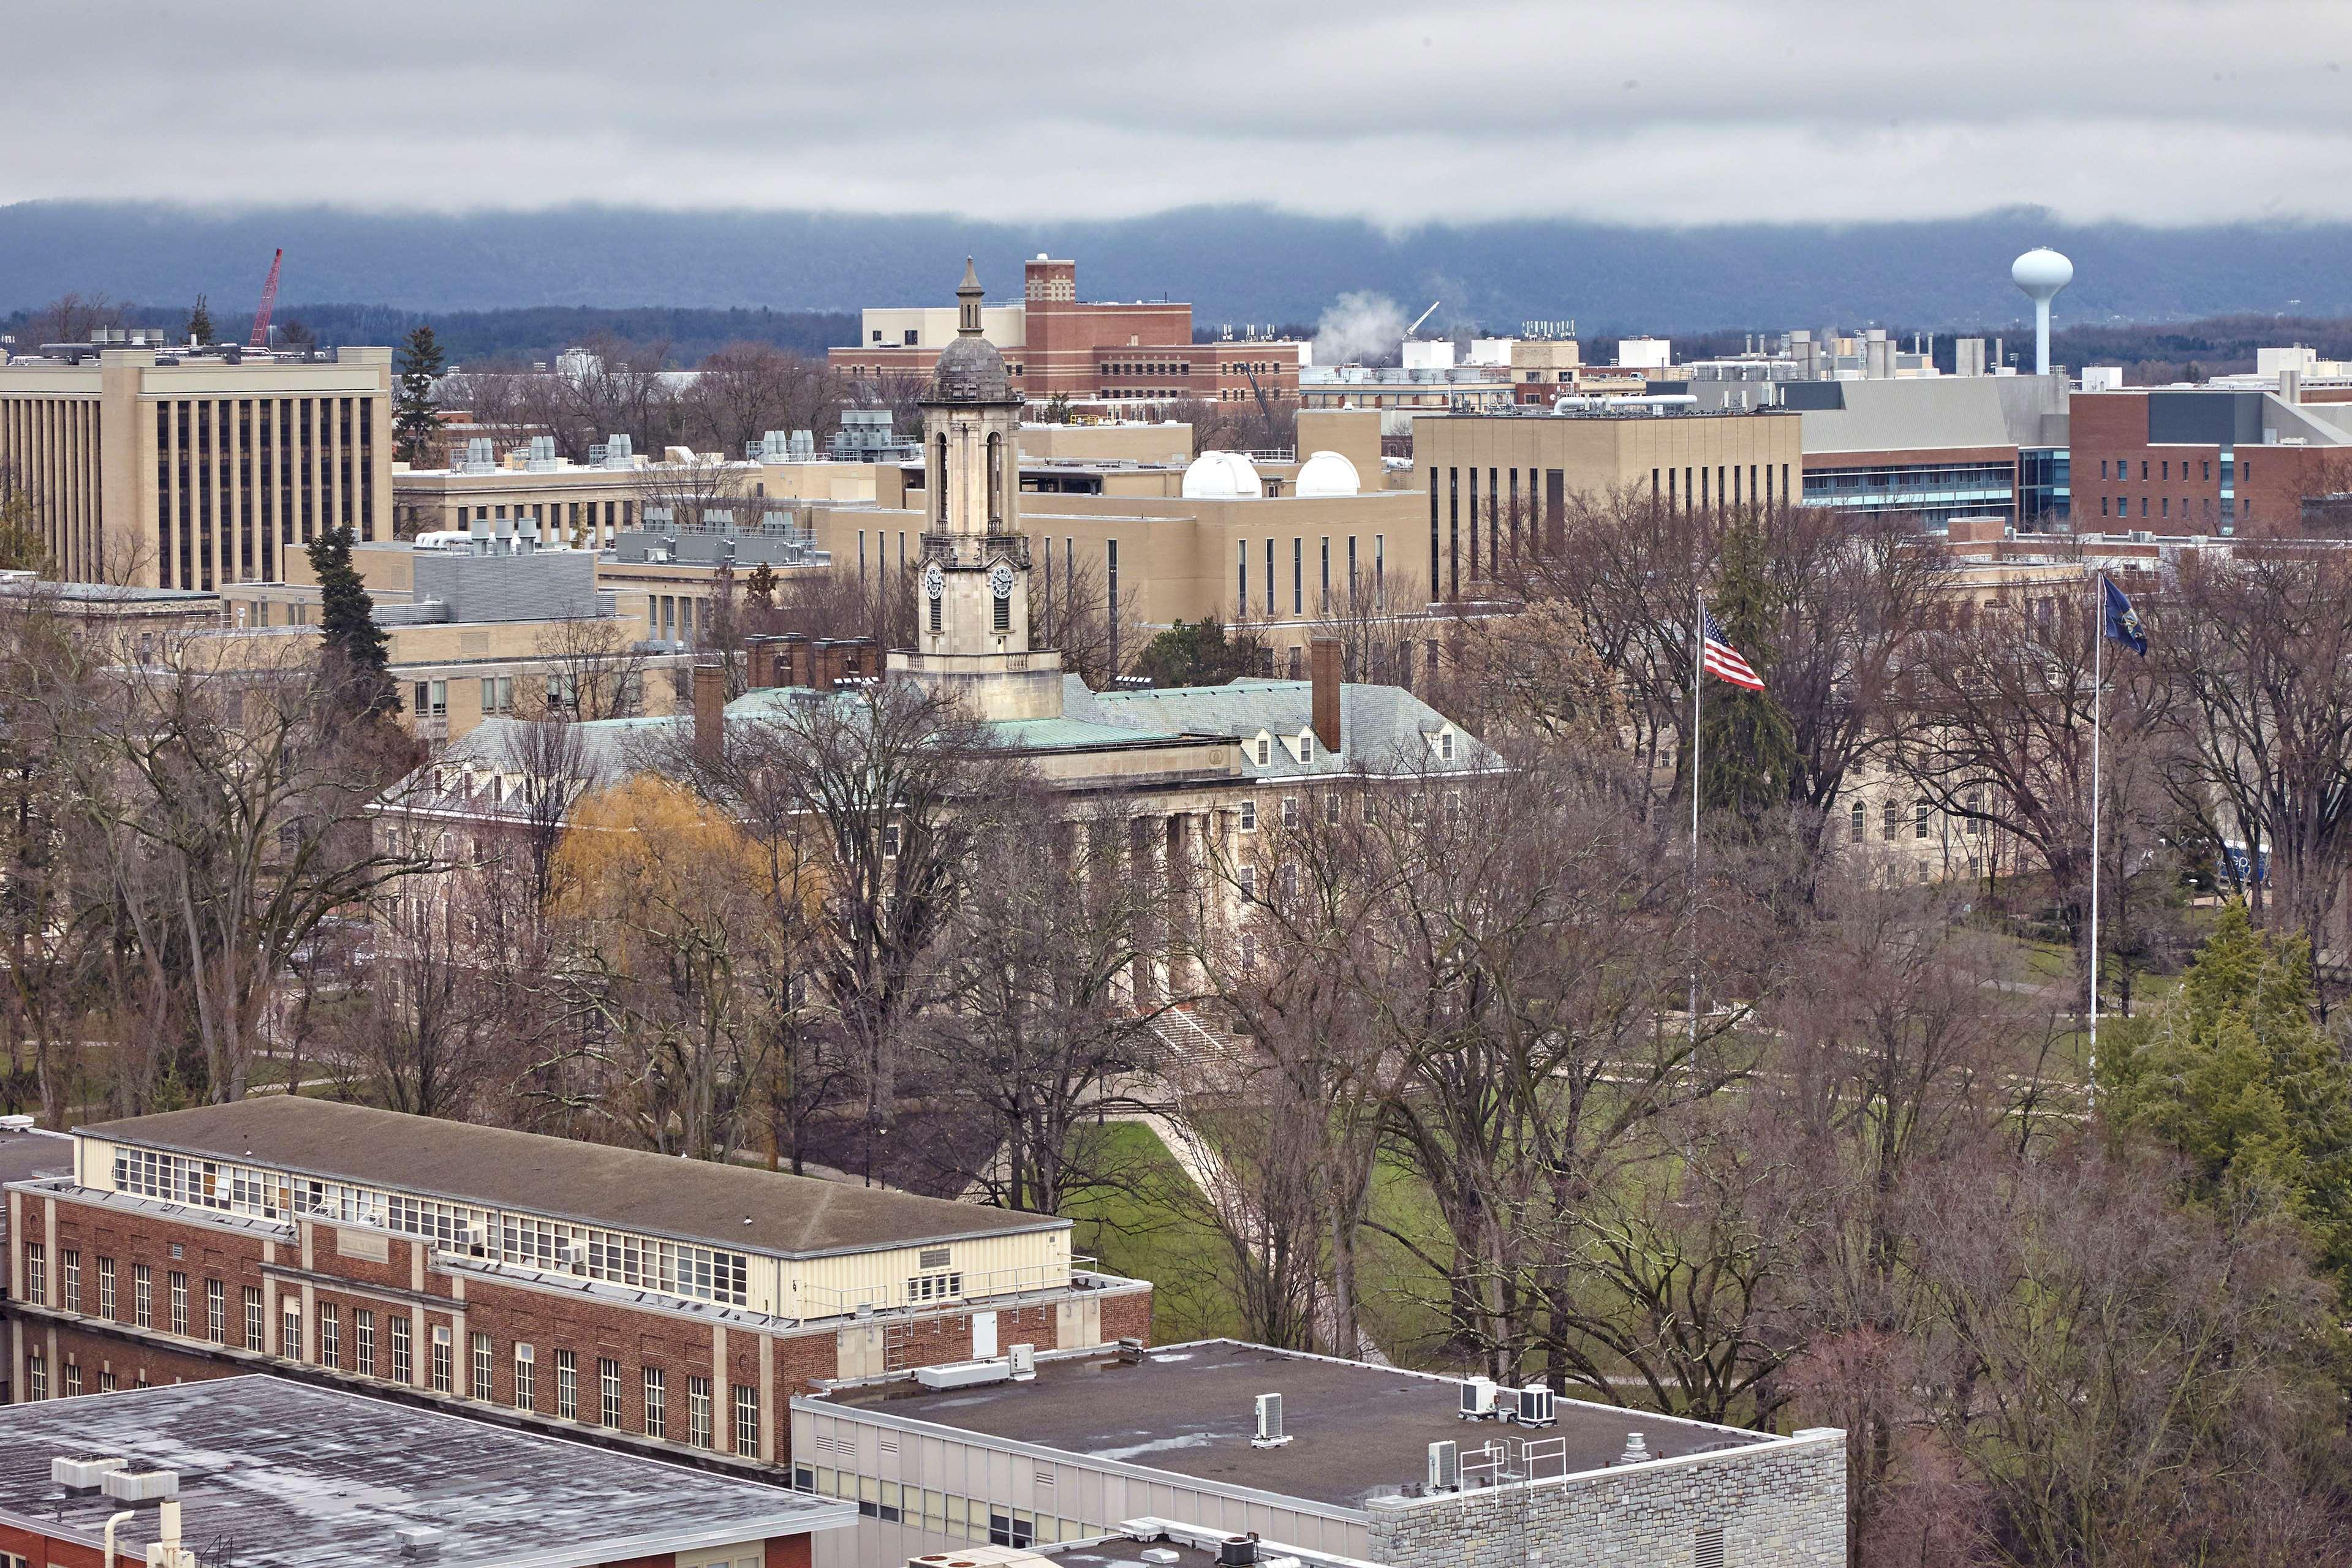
pixel 1424 316
pixel 260 338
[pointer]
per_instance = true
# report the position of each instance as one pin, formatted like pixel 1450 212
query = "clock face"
pixel 935 581
pixel 999 580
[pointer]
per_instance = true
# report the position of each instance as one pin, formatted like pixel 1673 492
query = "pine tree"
pixel 200 323
pixel 355 646
pixel 413 423
pixel 760 587
pixel 2238 1076
pixel 1750 752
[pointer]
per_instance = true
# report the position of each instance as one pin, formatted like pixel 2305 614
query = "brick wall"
pixel 400 1284
pixel 1783 1507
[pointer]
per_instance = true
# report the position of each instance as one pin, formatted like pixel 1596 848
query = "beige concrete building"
pixel 197 470
pixel 1497 486
pixel 474 632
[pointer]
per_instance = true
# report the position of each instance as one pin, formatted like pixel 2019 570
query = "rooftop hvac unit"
pixel 1477 1399
pixel 1536 1407
pixel 1130 1350
pixel 1444 1467
pixel 963 1373
pixel 571 1254
pixel 83 1475
pixel 140 1486
pixel 419 1540
pixel 1270 1434
pixel 1024 1362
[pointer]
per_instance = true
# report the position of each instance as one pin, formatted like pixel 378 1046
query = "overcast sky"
pixel 1631 112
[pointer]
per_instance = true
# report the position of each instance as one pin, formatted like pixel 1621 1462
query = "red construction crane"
pixel 260 338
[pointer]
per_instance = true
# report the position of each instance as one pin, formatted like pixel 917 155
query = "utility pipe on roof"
pixel 112 1520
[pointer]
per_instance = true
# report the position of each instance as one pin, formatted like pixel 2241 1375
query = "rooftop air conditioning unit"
pixel 1536 1405
pixel 1025 1363
pixel 963 1373
pixel 419 1540
pixel 1477 1399
pixel 1444 1467
pixel 571 1254
pixel 83 1475
pixel 140 1486
pixel 1270 1434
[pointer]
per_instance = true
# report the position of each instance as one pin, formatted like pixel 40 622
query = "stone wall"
pixel 1781 1506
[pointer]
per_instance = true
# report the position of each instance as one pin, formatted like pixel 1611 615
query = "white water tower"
pixel 2042 273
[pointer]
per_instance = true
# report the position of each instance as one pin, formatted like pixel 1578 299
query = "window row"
pixel 943 1513
pixel 681 1269
pixel 1893 822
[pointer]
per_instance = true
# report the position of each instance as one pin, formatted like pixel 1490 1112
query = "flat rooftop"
pixel 725 1206
pixel 293 1476
pixel 1357 1430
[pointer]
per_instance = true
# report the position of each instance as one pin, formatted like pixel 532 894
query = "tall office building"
pixel 163 470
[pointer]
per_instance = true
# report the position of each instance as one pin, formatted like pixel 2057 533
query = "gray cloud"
pixel 2163 111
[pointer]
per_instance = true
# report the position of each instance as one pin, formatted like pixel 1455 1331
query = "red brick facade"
pixel 1135 353
pixel 325 1269
pixel 2122 482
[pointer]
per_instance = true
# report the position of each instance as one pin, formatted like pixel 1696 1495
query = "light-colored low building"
pixel 475 629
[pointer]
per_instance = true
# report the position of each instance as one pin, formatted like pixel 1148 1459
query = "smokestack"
pixel 709 709
pixel 1324 665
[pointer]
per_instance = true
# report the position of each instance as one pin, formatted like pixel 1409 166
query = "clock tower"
pixel 972 604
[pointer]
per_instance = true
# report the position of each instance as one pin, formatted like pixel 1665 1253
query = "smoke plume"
pixel 1360 328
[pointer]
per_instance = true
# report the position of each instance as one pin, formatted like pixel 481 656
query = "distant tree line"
pixel 485 337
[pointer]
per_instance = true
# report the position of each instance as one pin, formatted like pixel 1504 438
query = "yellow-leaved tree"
pixel 665 920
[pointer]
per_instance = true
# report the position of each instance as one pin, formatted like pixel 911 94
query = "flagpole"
pixel 1698 684
pixel 2098 690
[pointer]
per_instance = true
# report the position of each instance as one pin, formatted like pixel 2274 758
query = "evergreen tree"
pixel 1750 752
pixel 2238 1076
pixel 355 645
pixel 413 424
pixel 200 323
pixel 1200 654
pixel 760 587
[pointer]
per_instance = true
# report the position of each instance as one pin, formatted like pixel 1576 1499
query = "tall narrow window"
pixel 215 1311
pixel 253 1321
pixel 330 1335
pixel 36 1274
pixel 698 1411
pixel 142 1295
pixel 1241 589
pixel 747 1420
pixel 72 1261
pixel 403 1361
pixel 1298 576
pixel 482 1368
pixel 940 476
pixel 656 1402
pixel 445 1355
pixel 567 1384
pixel 526 1378
pixel 289 1330
pixel 179 1286
pixel 608 1391
pixel 363 1340
pixel 106 1302
pixel 996 482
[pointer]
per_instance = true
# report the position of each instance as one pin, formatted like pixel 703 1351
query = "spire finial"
pixel 968 296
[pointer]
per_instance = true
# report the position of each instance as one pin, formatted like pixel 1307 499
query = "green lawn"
pixel 1149 1227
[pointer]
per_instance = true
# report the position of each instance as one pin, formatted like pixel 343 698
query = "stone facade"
pixel 1780 1506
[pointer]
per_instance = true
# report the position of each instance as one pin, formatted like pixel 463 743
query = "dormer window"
pixel 1263 749
pixel 1307 745
pixel 1445 746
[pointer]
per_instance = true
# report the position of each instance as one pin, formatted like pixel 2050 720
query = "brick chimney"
pixel 709 709
pixel 1325 668
pixel 759 662
pixel 796 666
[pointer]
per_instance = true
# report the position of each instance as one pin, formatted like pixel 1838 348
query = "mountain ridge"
pixel 1239 263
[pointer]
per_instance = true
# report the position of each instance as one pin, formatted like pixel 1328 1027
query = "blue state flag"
pixel 2122 620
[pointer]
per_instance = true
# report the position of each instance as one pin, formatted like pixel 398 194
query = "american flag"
pixel 1721 660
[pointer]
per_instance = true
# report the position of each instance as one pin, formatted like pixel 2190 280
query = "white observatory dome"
pixel 1328 474
pixel 1221 476
pixel 2041 272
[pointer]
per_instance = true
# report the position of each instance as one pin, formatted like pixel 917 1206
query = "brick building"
pixel 264 1472
pixel 2187 461
pixel 1114 352
pixel 664 1305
